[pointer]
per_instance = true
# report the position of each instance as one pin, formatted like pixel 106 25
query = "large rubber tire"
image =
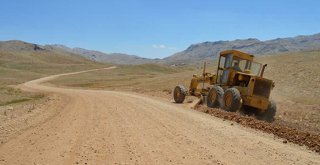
pixel 214 98
pixel 179 93
pixel 269 114
pixel 232 100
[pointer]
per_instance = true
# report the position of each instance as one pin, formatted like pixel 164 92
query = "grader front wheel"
pixel 179 94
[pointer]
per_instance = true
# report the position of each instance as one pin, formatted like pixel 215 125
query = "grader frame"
pixel 238 82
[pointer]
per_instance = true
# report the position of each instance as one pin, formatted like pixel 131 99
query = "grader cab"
pixel 237 83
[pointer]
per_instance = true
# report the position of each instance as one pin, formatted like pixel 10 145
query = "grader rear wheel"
pixel 232 100
pixel 179 94
pixel 214 98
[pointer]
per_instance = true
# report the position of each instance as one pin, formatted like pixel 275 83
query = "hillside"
pixel 22 61
pixel 22 58
pixel 115 58
pixel 210 50
pixel 298 104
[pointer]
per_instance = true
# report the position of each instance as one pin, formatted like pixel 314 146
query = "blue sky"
pixel 153 29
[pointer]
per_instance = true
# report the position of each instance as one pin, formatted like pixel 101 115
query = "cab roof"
pixel 237 54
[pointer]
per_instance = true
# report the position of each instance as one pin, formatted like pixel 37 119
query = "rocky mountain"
pixel 210 50
pixel 21 61
pixel 24 52
pixel 17 57
pixel 15 46
pixel 115 58
pixel 195 52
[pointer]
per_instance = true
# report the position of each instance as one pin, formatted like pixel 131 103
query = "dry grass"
pixel 11 95
pixel 18 67
pixel 297 91
pixel 147 77
pixel 296 76
pixel 21 66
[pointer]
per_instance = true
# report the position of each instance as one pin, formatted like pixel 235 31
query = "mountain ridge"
pixel 116 58
pixel 205 50
pixel 199 51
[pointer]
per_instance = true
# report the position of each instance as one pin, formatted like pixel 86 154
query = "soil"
pixel 279 129
pixel 112 127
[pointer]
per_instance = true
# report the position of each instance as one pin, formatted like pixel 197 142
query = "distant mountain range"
pixel 199 51
pixel 116 58
pixel 210 50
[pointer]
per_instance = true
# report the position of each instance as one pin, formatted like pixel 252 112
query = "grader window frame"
pixel 227 59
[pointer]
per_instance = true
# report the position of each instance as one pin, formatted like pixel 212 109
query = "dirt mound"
pixel 290 134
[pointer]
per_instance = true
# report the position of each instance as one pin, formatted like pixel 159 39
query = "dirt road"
pixel 108 127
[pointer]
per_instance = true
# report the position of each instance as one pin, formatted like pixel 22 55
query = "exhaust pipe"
pixel 263 68
pixel 204 68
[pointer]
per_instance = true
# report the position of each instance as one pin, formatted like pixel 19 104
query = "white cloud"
pixel 162 46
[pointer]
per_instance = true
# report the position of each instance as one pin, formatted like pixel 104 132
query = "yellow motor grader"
pixel 238 82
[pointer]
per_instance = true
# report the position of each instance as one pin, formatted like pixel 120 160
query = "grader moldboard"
pixel 238 83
